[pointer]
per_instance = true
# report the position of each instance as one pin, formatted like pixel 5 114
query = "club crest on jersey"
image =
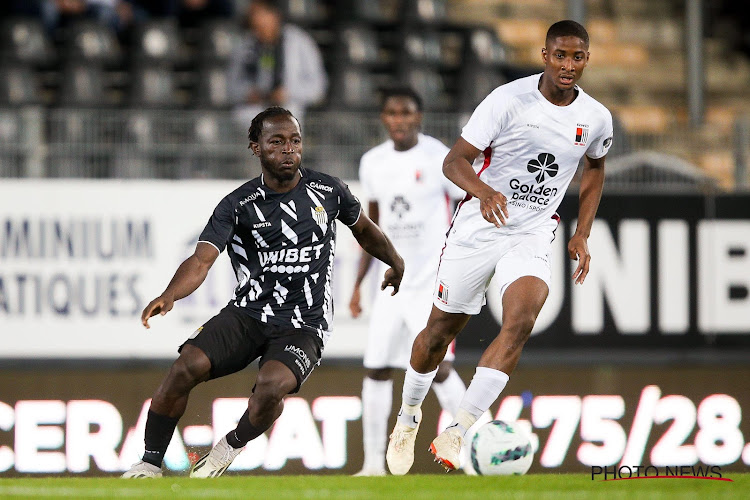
pixel 321 217
pixel 442 293
pixel 582 134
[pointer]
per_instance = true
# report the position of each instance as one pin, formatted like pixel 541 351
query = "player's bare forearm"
pixel 365 259
pixel 592 183
pixel 457 168
pixel 188 277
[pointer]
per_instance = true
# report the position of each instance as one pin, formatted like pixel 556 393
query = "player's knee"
pixel 271 387
pixel 519 327
pixel 188 372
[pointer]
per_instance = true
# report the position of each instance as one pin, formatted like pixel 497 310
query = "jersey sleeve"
pixel 486 121
pixel 599 147
pixel 219 228
pixel 349 205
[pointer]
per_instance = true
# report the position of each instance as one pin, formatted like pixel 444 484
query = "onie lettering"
pixel 299 353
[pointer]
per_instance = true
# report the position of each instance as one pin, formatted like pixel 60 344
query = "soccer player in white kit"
pixel 528 137
pixel 410 199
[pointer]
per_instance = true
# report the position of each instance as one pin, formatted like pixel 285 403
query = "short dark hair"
pixel 256 126
pixel 402 91
pixel 567 28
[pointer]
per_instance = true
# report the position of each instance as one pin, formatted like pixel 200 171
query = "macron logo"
pixel 322 187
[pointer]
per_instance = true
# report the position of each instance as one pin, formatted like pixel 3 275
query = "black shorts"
pixel 233 339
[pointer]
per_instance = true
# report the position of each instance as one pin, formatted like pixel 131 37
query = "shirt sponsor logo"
pixel 299 353
pixel 534 193
pixel 582 134
pixel 250 197
pixel 290 255
pixel 322 187
pixel 261 224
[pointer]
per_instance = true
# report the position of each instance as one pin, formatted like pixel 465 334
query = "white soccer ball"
pixel 501 449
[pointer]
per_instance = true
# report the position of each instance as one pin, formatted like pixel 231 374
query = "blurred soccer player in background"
pixel 279 231
pixel 525 141
pixel 410 198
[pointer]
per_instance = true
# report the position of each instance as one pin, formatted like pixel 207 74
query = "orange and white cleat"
pixel 447 448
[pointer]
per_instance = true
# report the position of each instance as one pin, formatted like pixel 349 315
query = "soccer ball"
pixel 501 449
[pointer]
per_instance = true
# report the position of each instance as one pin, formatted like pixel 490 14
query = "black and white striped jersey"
pixel 282 246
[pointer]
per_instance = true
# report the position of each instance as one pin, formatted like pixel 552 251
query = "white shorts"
pixel 395 321
pixel 465 272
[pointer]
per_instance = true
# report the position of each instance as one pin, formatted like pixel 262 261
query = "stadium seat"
pixel 153 86
pixel 159 41
pixel 83 85
pixel 354 88
pixel 217 39
pixel 376 11
pixel 11 147
pixel 482 46
pixel 422 47
pixel 426 11
pixel 212 87
pixel 359 45
pixel 476 84
pixel 93 43
pixel 24 41
pixel 305 12
pixel 429 84
pixel 19 85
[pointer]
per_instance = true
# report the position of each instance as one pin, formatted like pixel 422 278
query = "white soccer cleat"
pixel 370 472
pixel 142 469
pixel 400 454
pixel 216 461
pixel 447 448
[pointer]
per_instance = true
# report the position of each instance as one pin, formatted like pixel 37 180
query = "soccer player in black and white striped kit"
pixel 280 233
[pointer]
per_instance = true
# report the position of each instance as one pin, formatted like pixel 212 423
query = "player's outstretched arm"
pixel 377 244
pixel 185 281
pixel 355 306
pixel 592 183
pixel 457 168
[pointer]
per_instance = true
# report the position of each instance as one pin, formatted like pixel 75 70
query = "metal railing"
pixel 129 143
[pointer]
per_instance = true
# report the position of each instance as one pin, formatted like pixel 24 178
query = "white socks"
pixel 377 400
pixel 449 392
pixel 416 386
pixel 484 389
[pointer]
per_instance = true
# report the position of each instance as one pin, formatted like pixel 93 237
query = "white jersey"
pixel 413 199
pixel 531 150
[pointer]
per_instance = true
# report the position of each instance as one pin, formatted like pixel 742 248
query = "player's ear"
pixel 544 55
pixel 255 148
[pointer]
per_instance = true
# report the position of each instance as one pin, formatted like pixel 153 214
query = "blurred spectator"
pixel 192 13
pixel 276 63
pixel 60 13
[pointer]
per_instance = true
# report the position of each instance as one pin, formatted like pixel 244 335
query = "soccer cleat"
pixel 142 469
pixel 447 448
pixel 216 461
pixel 369 472
pixel 400 454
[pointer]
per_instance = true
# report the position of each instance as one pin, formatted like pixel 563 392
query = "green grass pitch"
pixel 415 487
